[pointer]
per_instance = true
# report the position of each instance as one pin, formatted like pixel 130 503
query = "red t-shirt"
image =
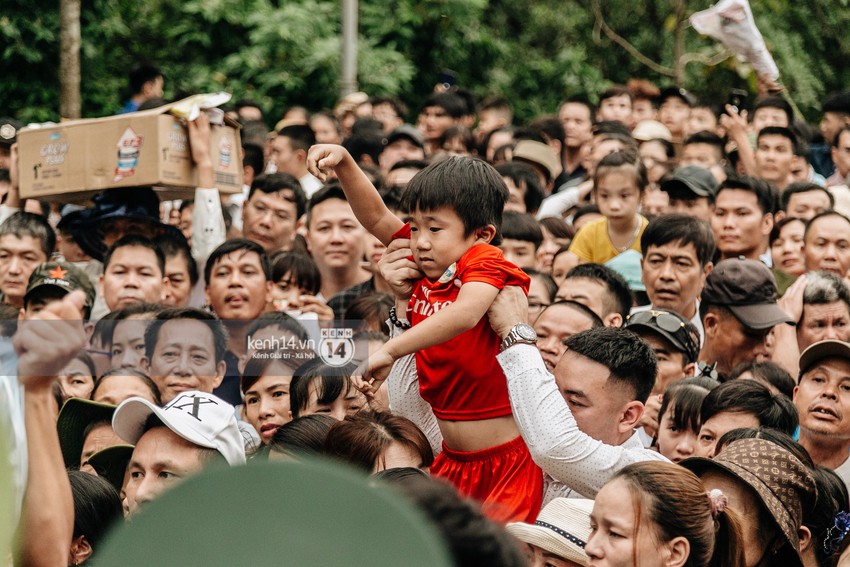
pixel 460 378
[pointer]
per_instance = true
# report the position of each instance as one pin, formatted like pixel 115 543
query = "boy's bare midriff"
pixel 469 436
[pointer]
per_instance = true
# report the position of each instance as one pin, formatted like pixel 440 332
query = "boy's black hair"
pixel 586 210
pixel 780 131
pixel 302 269
pixel 141 75
pixel 774 102
pixel 459 132
pixel 471 187
pixel 301 136
pixel 23 224
pixel 175 244
pixel 329 191
pixel 584 101
pixel 498 104
pixel 749 396
pixel 709 138
pixel 765 195
pixel 768 373
pixel 802 187
pixel 275 182
pixel 549 127
pixel 366 142
pixel 399 107
pixel 334 381
pixel 215 325
pixel 619 296
pixel 630 360
pixel 235 245
pixel 252 156
pixel 135 240
pixel 607 127
pixel 522 173
pixel 714 107
pixel 614 91
pixel 682 229
pixel 519 226
pixel 454 105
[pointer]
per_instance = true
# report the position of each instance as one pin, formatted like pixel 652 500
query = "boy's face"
pixel 769 116
pixel 773 157
pixel 433 121
pixel 700 119
pixel 521 253
pixel 438 239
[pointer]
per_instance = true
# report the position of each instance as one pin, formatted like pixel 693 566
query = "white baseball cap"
pixel 199 417
pixel 562 528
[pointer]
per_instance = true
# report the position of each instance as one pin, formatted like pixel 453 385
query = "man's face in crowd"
pixel 269 219
pixel 704 155
pixel 433 121
pixel 128 343
pixel 19 257
pixel 238 288
pixel 739 224
pixel 335 238
pixel 576 119
pixel 400 177
pixel 806 205
pixel 769 116
pixel 822 399
pixel 674 113
pixel 387 115
pixel 774 154
pixel 99 438
pixel 692 205
pixel 672 365
pixel 116 388
pixel 617 108
pixel 286 158
pixel 591 293
pixel 133 276
pixel 828 245
pixel 179 289
pixel 400 150
pixel 841 154
pixel 831 124
pixel 821 321
pixel 701 119
pixel 521 253
pixel 184 359
pixel 642 109
pixel 555 325
pixel 595 401
pixel 718 425
pixel 731 343
pixel 161 460
pixel 673 277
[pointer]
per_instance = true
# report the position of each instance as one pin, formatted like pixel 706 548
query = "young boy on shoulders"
pixel 454 210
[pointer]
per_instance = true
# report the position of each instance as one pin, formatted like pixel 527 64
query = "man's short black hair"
pixel 398 107
pixel 275 182
pixel 329 191
pixel 497 104
pixel 630 360
pixel 523 174
pixel 838 103
pixel 365 142
pixel 23 224
pixel 236 245
pixel 780 131
pixel 471 187
pixel 618 295
pixel 252 156
pixel 775 102
pixel 301 136
pixel 216 327
pixel 683 230
pixel 709 138
pixel 135 240
pixel 519 226
pixel 582 100
pixel 454 105
pixel 802 187
pixel 766 196
pixel 549 127
pixel 301 268
pixel 607 127
pixel 615 91
pixel 174 244
pixel 143 74
pixel 749 396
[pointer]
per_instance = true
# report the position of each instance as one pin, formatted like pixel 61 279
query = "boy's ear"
pixel 486 234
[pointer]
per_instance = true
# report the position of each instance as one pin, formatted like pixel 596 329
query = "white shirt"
pixel 310 183
pixel 575 464
pixel 843 472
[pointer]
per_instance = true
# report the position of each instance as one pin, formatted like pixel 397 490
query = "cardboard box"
pixel 76 159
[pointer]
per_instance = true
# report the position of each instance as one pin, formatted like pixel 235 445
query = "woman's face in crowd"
pixel 267 401
pixel 787 250
pixel 76 380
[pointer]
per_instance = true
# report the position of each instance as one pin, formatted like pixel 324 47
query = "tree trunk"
pixel 69 59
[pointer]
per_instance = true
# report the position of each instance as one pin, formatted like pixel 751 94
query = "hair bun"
pixel 717 502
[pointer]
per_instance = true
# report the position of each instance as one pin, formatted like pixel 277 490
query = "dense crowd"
pixel 615 335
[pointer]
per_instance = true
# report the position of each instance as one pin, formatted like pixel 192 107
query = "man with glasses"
pixel 270 215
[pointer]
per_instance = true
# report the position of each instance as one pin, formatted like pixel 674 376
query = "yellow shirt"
pixel 592 243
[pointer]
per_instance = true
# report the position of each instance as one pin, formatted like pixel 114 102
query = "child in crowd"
pixel 679 423
pixel 618 186
pixel 454 210
pixel 318 388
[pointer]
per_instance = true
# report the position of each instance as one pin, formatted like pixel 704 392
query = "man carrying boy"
pixel 454 210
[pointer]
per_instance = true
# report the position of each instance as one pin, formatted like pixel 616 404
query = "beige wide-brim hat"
pixel 562 528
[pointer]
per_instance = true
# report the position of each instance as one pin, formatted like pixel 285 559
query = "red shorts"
pixel 504 479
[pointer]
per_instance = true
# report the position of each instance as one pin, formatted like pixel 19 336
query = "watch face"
pixel 526 332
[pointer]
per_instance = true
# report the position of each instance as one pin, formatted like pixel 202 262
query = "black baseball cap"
pixel 748 290
pixel 9 130
pixel 680 332
pixel 406 131
pixel 677 92
pixel 690 179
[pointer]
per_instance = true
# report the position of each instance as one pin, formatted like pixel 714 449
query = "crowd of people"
pixel 616 335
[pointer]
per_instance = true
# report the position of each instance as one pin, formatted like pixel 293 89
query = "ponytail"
pixel 728 541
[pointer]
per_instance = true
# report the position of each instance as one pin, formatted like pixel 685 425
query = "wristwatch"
pixel 519 333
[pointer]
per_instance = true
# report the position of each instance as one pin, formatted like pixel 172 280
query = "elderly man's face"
pixel 828 245
pixel 823 321
pixel 730 343
pixel 822 399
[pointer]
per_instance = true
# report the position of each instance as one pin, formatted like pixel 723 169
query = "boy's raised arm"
pixel 364 199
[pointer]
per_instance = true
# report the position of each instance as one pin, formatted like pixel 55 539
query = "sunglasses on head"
pixel 670 323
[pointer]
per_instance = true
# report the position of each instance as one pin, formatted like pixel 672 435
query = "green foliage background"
pixel 286 52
